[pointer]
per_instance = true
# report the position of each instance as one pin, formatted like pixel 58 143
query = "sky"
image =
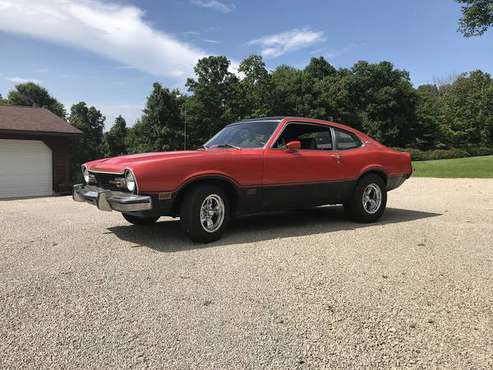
pixel 109 52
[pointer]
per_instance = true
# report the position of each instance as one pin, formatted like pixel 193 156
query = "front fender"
pixel 206 175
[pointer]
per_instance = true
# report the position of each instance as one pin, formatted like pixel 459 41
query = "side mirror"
pixel 294 145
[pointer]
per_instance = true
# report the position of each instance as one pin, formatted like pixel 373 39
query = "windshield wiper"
pixel 226 145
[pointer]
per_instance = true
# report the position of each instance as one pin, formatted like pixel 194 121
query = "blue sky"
pixel 108 53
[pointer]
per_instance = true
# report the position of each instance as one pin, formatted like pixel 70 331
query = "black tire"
pixel 355 208
pixel 190 213
pixel 138 220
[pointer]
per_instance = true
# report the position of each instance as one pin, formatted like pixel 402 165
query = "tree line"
pixel 376 98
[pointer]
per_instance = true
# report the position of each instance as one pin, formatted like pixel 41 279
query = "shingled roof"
pixel 33 120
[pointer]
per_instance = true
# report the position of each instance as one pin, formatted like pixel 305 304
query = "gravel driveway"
pixel 83 288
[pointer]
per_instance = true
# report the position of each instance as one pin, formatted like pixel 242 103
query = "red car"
pixel 251 166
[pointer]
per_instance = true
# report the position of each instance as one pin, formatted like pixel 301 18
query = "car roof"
pixel 299 120
pixel 273 118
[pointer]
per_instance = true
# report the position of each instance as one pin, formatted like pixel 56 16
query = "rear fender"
pixel 380 170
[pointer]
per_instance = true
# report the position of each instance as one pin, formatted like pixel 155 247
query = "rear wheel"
pixel 369 199
pixel 205 213
pixel 138 220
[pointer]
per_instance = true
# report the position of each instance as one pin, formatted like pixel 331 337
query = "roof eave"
pixel 39 133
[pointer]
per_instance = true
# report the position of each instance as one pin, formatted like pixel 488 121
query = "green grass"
pixel 473 167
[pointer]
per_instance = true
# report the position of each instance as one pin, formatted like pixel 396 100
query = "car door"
pixel 305 177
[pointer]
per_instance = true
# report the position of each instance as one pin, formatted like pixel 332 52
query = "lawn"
pixel 474 167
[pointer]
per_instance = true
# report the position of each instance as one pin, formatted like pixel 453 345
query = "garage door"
pixel 25 168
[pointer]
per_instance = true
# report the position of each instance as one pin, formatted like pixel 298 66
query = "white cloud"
pixel 214 4
pixel 117 32
pixel 274 46
pixel 191 33
pixel 211 41
pixel 21 80
pixel 124 67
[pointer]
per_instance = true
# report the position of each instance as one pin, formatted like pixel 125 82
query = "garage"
pixel 34 152
pixel 26 168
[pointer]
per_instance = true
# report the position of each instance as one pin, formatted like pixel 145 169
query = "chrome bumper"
pixel 107 200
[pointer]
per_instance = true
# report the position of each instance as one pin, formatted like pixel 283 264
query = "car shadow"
pixel 166 236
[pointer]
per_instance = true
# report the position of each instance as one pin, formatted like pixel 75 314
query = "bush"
pixel 479 151
pixel 428 155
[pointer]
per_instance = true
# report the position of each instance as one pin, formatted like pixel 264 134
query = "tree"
pixel 210 107
pixel 317 81
pixel 254 95
pixel 115 139
pixel 477 17
pixel 468 110
pixel 429 115
pixel 161 126
pixel 89 147
pixel 319 68
pixel 2 100
pixel 136 138
pixel 386 102
pixel 335 101
pixel 292 92
pixel 30 94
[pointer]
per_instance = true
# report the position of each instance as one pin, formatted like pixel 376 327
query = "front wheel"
pixel 138 220
pixel 204 213
pixel 369 199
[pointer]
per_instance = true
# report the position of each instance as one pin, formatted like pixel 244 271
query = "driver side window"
pixel 311 136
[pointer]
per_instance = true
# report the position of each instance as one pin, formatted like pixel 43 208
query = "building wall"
pixel 60 147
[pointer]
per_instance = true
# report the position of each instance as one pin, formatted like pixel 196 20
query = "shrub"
pixel 479 151
pixel 421 155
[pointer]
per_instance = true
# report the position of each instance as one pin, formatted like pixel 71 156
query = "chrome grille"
pixel 110 181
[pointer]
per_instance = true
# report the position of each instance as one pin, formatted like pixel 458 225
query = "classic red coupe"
pixel 251 166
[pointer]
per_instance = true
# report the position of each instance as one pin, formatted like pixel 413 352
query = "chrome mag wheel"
pixel 372 198
pixel 212 213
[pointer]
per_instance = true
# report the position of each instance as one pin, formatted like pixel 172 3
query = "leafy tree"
pixel 136 138
pixel 477 17
pixel 293 92
pixel 211 105
pixel 30 94
pixel 335 101
pixel 161 126
pixel 386 102
pixel 115 139
pixel 468 110
pixel 429 114
pixel 376 98
pixel 254 93
pixel 319 68
pixel 2 100
pixel 90 146
pixel 319 78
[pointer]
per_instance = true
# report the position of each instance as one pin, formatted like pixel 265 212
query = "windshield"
pixel 243 135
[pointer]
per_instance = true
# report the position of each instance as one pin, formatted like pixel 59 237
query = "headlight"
pixel 130 181
pixel 85 173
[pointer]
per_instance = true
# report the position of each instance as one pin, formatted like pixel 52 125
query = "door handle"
pixel 338 157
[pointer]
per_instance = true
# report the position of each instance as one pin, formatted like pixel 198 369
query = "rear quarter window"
pixel 346 140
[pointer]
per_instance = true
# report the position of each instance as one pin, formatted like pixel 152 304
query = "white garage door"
pixel 25 168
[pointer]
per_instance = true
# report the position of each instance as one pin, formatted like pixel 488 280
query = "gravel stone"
pixel 80 288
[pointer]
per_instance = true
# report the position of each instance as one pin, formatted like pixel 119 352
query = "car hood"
pixel 119 164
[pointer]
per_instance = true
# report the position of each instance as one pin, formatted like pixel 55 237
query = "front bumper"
pixel 107 200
